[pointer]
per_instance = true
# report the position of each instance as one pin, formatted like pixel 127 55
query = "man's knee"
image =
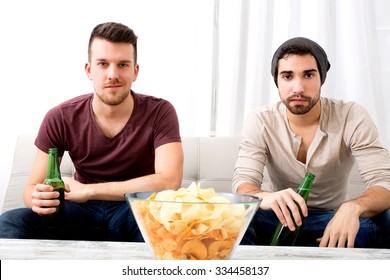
pixel 17 223
pixel 367 236
pixel 382 220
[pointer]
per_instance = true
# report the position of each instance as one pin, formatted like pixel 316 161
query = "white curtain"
pixel 354 33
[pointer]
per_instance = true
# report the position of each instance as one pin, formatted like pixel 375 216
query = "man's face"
pixel 112 70
pixel 299 82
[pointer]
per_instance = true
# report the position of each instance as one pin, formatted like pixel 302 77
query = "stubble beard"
pixel 300 109
pixel 113 99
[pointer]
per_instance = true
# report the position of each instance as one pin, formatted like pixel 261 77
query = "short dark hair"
pixel 113 32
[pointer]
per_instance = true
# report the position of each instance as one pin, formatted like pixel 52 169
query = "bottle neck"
pixel 53 167
pixel 305 186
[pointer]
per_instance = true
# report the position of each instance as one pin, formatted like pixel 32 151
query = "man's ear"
pixel 88 70
pixel 136 70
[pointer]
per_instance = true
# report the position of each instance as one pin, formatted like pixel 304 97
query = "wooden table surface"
pixel 25 249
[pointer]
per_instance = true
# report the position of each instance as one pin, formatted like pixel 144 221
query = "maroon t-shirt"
pixel 71 127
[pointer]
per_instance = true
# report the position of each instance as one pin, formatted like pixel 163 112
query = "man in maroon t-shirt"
pixel 119 141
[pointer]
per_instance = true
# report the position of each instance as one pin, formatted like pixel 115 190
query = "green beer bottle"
pixel 282 236
pixel 53 178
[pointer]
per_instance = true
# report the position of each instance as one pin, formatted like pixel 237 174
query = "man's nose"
pixel 112 73
pixel 298 85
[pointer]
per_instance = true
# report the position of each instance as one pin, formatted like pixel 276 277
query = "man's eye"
pixel 309 75
pixel 286 77
pixel 102 63
pixel 123 65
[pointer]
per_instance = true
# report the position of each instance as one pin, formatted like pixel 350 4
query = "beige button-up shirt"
pixel 346 133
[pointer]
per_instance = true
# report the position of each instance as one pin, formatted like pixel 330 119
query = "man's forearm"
pixel 373 201
pixel 248 188
pixel 116 190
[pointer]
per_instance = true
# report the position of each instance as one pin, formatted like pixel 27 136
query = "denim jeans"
pixel 93 220
pixel 373 233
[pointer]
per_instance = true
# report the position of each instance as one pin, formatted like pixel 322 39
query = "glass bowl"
pixel 198 230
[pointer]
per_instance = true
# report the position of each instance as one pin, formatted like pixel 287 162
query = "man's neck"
pixel 305 126
pixel 309 119
pixel 112 112
pixel 112 119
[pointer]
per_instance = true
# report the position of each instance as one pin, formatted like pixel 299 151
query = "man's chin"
pixel 299 110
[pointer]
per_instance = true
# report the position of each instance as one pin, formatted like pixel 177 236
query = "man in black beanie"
pixel 305 132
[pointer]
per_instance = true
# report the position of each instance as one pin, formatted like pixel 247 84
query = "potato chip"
pixel 191 223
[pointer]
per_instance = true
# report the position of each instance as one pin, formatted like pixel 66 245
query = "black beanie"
pixel 316 50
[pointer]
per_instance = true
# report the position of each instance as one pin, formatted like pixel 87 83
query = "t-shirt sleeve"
pixel 50 132
pixel 167 128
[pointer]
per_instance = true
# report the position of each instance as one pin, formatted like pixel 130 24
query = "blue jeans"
pixel 373 233
pixel 93 220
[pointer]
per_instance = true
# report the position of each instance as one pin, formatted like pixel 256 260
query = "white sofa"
pixel 208 160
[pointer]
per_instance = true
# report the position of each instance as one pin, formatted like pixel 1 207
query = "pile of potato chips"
pixel 190 223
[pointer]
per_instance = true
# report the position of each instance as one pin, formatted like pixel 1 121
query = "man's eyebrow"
pixel 310 70
pixel 126 61
pixel 121 61
pixel 304 71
